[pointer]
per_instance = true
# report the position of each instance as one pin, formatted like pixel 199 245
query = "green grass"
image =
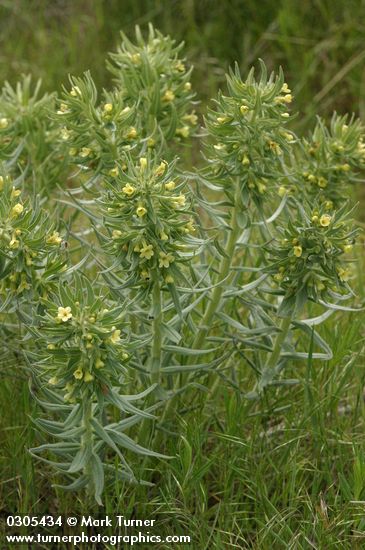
pixel 285 472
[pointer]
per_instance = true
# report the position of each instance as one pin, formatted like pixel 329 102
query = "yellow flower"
pixel 285 115
pixel 145 275
pixel 17 209
pixel 344 274
pixel 298 251
pixel 14 243
pixel 170 185
pixel 245 161
pixel 192 118
pixel 165 259
pixel 136 58
pixel 347 248
pixel 75 90
pixel 282 191
pixel 54 238
pixel 146 251
pixel 322 182
pixel 116 233
pixel 187 86
pixel 88 377
pixel 85 152
pixel 1 183
pixel 99 364
pixel 128 189
pixel 179 66
pixel 288 98
pixel 160 170
pixel 315 218
pixel 114 172
pixel 108 107
pixel 285 88
pixel 143 163
pixel 115 337
pixel 64 313
pixel 132 133
pixel 65 134
pixel 183 132
pixel 168 96
pixel 275 147
pixel 51 346
pixel 78 374
pixel 179 201
pixel 15 193
pixel 72 152
pixel 169 279
pixel 53 381
pixel 222 119
pixel 3 123
pixel 190 227
pixel 141 211
pixel 164 236
pixel 244 109
pixel 325 220
pixel 151 142
pixel 63 109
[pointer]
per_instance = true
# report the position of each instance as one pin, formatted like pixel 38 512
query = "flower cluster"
pixel 30 259
pixel 331 158
pixel 312 256
pixel 83 345
pixel 28 137
pixel 151 73
pixel 248 131
pixel 146 208
pixel 97 133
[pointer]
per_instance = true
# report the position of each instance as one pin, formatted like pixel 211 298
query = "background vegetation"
pixel 289 472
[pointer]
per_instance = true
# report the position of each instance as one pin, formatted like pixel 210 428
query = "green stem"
pixel 280 339
pixel 157 331
pixel 87 437
pixel 224 270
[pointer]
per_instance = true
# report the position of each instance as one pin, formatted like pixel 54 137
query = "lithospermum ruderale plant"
pixel 219 273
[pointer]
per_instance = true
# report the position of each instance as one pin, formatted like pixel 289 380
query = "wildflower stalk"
pixel 280 339
pixel 224 270
pixel 157 333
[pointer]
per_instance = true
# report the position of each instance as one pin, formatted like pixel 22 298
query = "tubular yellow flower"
pixel 168 96
pixel 78 374
pixel 54 238
pixel 114 172
pixel 99 364
pixel 161 169
pixel 325 220
pixel 108 107
pixel 298 251
pixel 187 86
pixel 141 211
pixel 146 251
pixel 184 131
pixel 3 123
pixel 191 118
pixel 14 243
pixel 53 381
pixel 65 134
pixel 170 185
pixel 285 88
pixel 143 163
pixel 179 201
pixel 64 313
pixel 75 91
pixel 85 152
pixel 15 193
pixel 128 189
pixel 169 279
pixel 115 337
pixel 88 377
pixel 132 133
pixel 244 109
pixel 282 191
pixel 165 259
pixel 17 209
pixel 116 233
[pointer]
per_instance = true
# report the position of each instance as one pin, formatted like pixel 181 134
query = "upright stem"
pixel 157 331
pixel 224 269
pixel 280 339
